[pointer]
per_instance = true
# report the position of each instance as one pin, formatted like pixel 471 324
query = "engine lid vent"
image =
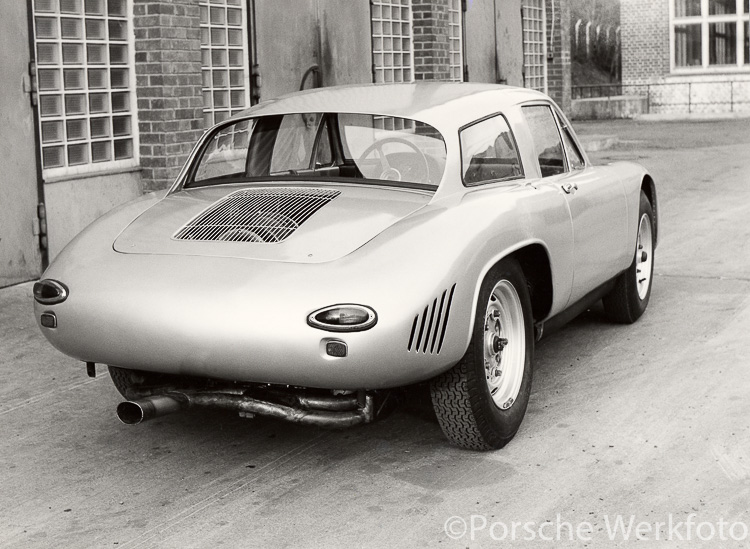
pixel 264 215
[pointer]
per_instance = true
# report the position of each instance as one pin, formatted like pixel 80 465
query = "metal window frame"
pixel 533 39
pixel 381 71
pixel 209 109
pixel 90 167
pixel 455 41
pixel 739 18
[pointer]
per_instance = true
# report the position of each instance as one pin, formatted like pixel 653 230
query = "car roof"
pixel 436 103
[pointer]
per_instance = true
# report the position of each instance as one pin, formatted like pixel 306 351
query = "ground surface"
pixel 648 420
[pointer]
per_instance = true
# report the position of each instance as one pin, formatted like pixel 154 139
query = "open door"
pixel 20 204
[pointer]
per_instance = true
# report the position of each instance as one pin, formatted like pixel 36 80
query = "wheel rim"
pixel 644 257
pixel 504 344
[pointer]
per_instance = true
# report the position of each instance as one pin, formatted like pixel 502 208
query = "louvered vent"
pixel 428 328
pixel 256 215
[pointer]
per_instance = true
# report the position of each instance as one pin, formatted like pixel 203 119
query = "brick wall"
pixel 431 40
pixel 558 52
pixel 168 86
pixel 644 31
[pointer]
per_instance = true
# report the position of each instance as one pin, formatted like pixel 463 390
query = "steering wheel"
pixel 390 173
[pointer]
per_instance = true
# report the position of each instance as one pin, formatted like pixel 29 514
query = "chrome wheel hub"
pixel 504 344
pixel 644 256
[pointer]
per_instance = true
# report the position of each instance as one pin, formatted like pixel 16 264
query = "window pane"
pixel 687 8
pixel 546 140
pixel 94 29
pixel 100 151
pixel 123 149
pixel 77 154
pixel 52 157
pixel 75 104
pixel 76 129
pixel 49 79
pixel 722 43
pixel 575 159
pixel 46 27
pixel 70 6
pixel 116 8
pixel 94 7
pixel 118 30
pixel 72 54
pixel 488 152
pixel 73 79
pixel 98 103
pixel 226 153
pixel 49 105
pixel 687 45
pixel 120 102
pixel 52 132
pixel 720 7
pixel 46 54
pixel 70 28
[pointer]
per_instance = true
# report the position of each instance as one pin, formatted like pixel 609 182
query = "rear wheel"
pixel 481 401
pixel 629 298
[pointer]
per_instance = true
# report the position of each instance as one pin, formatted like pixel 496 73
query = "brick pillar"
pixel 168 86
pixel 558 52
pixel 645 41
pixel 431 40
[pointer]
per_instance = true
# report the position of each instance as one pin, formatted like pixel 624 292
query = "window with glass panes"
pixel 392 46
pixel 224 59
pixel 85 82
pixel 455 44
pixel 534 52
pixel 710 33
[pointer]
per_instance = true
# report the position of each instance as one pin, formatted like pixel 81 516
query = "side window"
pixel 226 153
pixel 543 130
pixel 488 152
pixel 575 159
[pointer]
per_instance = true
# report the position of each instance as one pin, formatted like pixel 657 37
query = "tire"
pixel 629 298
pixel 481 401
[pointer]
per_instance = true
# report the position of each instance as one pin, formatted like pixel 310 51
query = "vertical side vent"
pixel 428 329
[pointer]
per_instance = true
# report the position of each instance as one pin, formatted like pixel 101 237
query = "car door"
pixel 594 195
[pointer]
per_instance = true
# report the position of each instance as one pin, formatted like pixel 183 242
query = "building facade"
pixel 104 99
pixel 688 56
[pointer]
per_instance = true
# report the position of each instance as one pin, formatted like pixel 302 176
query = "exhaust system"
pixel 330 412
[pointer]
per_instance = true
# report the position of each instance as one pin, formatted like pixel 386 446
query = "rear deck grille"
pixel 264 215
pixel 428 328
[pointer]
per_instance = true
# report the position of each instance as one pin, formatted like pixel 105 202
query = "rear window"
pixel 355 147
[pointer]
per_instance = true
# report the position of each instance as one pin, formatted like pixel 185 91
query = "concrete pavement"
pixel 650 421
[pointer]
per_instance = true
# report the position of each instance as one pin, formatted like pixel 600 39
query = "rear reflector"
pixel 48 320
pixel 336 349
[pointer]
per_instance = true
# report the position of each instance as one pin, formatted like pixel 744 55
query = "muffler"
pixel 133 412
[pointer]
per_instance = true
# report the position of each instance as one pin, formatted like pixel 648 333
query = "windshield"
pixel 333 146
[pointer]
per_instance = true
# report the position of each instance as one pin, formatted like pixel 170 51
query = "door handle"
pixel 569 188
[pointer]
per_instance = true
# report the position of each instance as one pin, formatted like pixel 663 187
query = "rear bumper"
pixel 239 320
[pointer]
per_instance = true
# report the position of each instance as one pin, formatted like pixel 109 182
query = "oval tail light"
pixel 343 318
pixel 50 292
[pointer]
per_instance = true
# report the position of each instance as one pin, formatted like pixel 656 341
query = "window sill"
pixel 711 71
pixel 61 177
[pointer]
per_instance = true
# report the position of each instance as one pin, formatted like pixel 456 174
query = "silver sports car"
pixel 319 250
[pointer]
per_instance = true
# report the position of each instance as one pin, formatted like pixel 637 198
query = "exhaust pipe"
pixel 133 412
pixel 331 413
